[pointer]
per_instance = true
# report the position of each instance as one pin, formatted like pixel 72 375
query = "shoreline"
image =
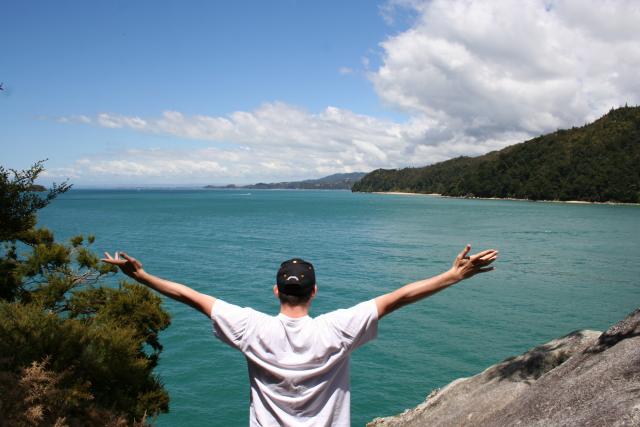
pixel 570 202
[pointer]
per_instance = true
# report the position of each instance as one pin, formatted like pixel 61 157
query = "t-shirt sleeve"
pixel 230 322
pixel 357 325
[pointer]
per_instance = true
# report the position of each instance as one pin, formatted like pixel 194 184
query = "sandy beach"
pixel 400 193
pixel 576 202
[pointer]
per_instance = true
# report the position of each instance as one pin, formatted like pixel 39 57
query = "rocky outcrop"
pixel 586 378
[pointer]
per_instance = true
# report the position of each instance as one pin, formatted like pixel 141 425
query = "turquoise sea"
pixel 562 267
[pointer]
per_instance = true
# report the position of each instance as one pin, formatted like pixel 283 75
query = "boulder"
pixel 585 378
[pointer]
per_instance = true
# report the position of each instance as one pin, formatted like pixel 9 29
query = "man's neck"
pixel 294 311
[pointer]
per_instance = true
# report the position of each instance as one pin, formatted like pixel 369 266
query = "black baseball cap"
pixel 296 277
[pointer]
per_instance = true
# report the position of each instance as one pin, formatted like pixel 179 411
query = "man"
pixel 298 365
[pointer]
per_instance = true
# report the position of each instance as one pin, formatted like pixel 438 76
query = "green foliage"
pixel 38 396
pixel 95 345
pixel 129 305
pixel 596 163
pixel 35 396
pixel 19 200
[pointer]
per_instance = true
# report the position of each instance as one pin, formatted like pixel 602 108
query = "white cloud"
pixel 110 121
pixel 82 119
pixel 275 141
pixel 272 124
pixel 345 70
pixel 279 141
pixel 512 66
pixel 471 76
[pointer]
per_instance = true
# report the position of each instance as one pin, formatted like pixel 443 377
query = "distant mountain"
pixel 338 181
pixel 598 162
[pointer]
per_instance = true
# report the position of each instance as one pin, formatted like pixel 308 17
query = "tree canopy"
pixel 75 347
pixel 597 163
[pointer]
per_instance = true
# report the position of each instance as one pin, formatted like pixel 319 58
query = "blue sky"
pixel 151 93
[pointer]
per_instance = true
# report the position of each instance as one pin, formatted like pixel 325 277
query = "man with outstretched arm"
pixel 298 365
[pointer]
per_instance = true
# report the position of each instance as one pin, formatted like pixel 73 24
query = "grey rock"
pixel 585 378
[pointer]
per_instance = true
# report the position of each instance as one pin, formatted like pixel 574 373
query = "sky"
pixel 147 93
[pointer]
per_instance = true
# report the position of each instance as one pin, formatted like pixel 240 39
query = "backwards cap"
pixel 296 277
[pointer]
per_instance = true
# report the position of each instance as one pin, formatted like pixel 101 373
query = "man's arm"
pixel 133 268
pixel 463 267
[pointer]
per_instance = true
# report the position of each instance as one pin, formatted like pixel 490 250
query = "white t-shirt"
pixel 298 367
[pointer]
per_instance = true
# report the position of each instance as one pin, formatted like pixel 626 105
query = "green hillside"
pixel 598 162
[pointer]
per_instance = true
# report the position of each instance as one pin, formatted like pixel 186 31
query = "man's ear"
pixel 314 292
pixel 275 291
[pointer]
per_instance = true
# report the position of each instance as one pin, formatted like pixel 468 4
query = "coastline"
pixel 401 193
pixel 572 202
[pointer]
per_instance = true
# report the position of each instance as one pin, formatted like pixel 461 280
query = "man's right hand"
pixel 129 265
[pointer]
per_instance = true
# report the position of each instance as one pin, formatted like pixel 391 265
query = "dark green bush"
pixel 74 350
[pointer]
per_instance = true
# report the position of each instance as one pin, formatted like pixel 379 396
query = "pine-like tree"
pixel 75 348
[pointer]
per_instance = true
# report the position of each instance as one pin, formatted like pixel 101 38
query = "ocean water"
pixel 562 267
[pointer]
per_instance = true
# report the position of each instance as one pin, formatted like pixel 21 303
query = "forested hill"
pixel 598 162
